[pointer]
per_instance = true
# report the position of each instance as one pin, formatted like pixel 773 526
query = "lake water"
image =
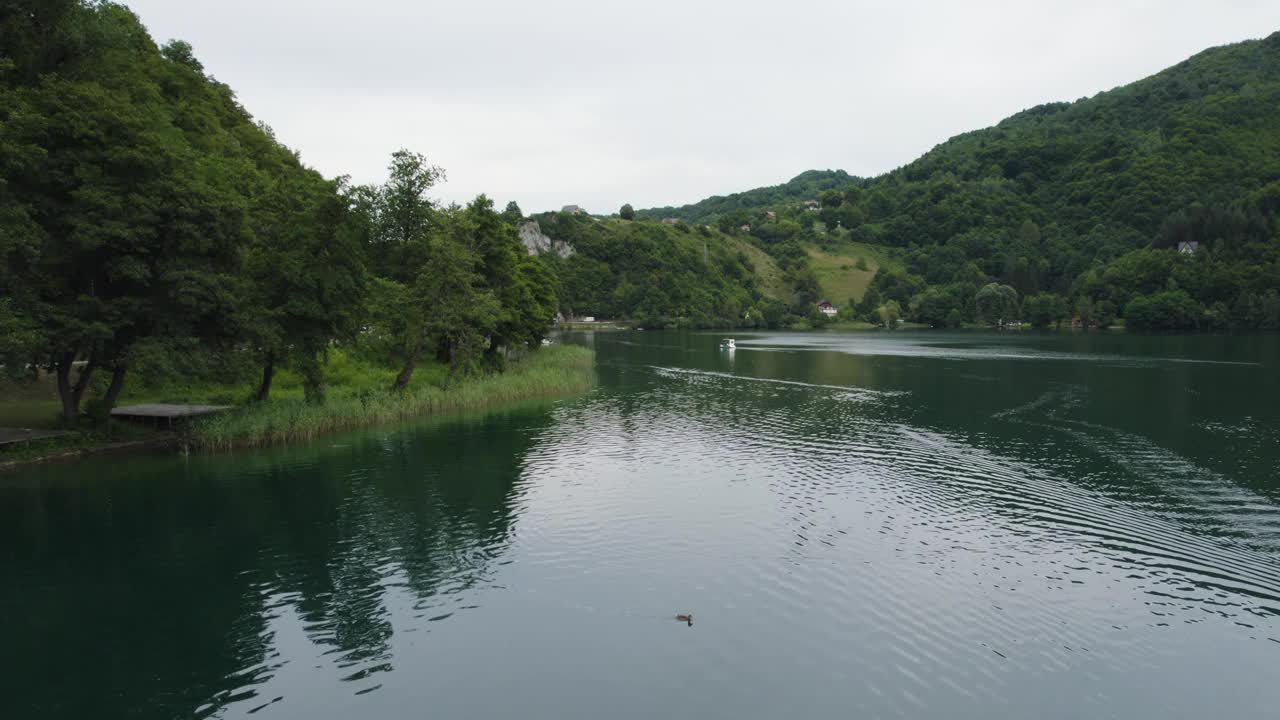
pixel 916 525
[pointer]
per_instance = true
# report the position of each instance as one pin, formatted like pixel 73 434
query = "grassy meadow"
pixel 845 272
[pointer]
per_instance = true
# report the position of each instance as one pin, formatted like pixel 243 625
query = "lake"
pixel 869 525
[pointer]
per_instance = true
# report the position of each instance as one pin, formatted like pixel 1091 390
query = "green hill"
pixel 1080 205
pixel 661 273
pixel 803 186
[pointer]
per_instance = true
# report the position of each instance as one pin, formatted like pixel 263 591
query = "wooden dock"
pixel 165 413
pixel 18 436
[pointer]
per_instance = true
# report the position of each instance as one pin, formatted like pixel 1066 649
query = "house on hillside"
pixel 826 308
pixel 670 221
pixel 771 215
pixel 744 227
pixel 812 205
pixel 573 210
pixel 1188 247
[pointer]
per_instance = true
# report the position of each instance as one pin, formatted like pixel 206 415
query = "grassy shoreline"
pixel 359 397
pixel 550 372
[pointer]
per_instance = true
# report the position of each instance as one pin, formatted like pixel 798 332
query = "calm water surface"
pixel 870 525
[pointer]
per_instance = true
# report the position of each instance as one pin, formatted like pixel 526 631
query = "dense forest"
pixel 148 223
pixel 1156 202
pixel 660 274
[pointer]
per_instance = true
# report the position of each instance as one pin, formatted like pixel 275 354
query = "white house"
pixel 826 308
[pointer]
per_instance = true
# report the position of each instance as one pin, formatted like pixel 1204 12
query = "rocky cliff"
pixel 533 238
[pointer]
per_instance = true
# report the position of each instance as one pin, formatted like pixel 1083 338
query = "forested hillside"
pixel 147 223
pixel 1078 207
pixel 662 273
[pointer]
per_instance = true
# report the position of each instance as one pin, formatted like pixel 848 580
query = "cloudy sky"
pixel 597 103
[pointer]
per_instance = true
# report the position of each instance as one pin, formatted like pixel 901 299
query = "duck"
pixel 686 619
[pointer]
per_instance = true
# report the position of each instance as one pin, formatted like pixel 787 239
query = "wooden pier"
pixel 165 413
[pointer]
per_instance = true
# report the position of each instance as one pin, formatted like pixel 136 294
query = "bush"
pixel 1170 310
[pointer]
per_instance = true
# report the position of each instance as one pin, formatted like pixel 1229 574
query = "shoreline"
pixel 167 441
pixel 550 372
pixel 556 371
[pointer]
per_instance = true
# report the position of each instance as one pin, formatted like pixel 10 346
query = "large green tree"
pixel 996 303
pixel 129 226
pixel 306 266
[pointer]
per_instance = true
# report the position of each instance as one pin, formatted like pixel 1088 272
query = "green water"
pixel 868 525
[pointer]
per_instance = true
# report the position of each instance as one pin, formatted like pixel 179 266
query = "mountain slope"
pixel 1078 202
pixel 1203 130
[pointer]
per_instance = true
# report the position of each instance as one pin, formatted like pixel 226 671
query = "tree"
pixel 512 213
pixel 131 224
pixel 888 314
pixel 936 306
pixel 1169 310
pixel 21 341
pixel 399 216
pixel 869 304
pixel 447 305
pixel 402 231
pixel 521 284
pixel 1045 309
pixel 627 212
pixel 996 303
pixel 306 265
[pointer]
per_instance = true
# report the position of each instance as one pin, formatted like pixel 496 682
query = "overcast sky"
pixel 597 103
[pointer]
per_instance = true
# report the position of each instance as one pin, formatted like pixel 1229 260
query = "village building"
pixel 826 308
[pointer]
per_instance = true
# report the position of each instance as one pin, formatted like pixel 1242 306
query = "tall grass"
pixel 553 371
pixel 344 375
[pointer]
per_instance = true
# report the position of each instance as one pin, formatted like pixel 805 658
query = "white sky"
pixel 597 103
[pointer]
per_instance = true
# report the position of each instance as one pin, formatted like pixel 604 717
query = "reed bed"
pixel 550 372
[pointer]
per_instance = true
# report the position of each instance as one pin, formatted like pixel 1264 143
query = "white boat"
pixel 728 344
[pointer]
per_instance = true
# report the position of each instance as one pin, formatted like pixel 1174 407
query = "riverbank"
pixel 603 326
pixel 551 372
pixel 83 446
pixel 358 396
